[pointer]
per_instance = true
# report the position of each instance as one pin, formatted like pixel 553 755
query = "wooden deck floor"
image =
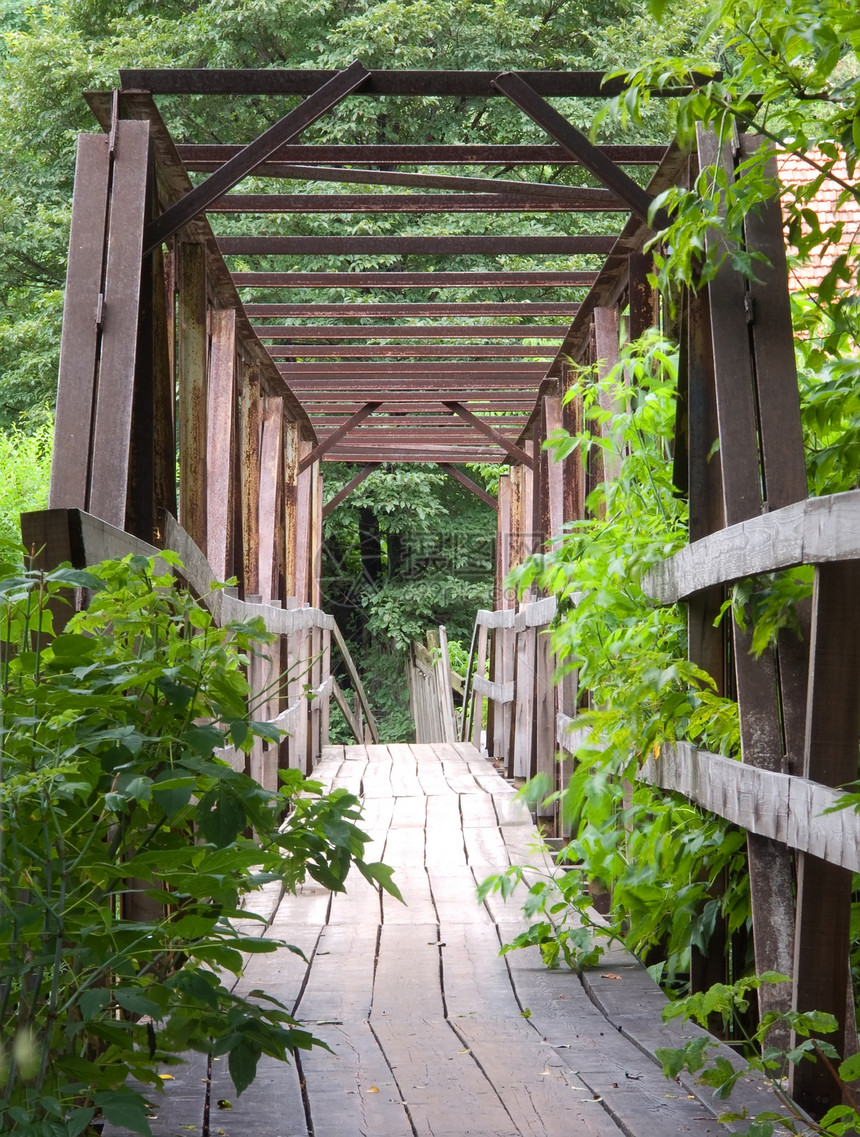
pixel 434 1034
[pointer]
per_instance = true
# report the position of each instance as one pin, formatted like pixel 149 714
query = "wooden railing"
pixel 432 685
pixel 291 681
pixel 794 803
pixel 512 670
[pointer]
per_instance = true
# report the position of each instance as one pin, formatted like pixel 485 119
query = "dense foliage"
pixel 791 72
pixel 112 792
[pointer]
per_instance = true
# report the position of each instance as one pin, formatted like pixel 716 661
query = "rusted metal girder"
pixel 406 401
pixel 394 281
pixel 324 414
pixel 584 201
pixel 383 421
pixel 387 372
pixel 352 176
pixel 207 156
pixel 471 486
pixel 323 98
pixel 408 331
pixel 254 81
pixel 528 99
pixel 398 351
pixel 529 309
pixel 510 448
pixel 353 483
pixel 484 245
pixel 336 435
pixel 418 453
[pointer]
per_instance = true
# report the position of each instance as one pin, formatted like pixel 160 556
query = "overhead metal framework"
pixel 412 359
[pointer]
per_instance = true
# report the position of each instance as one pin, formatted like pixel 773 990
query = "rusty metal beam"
pixel 207 155
pixel 471 486
pixel 529 309
pixel 408 331
pixel 394 281
pixel 337 435
pixel 486 245
pixel 384 421
pixel 357 177
pixel 510 448
pixel 518 403
pixel 574 141
pixel 254 81
pixel 384 372
pixel 418 453
pixel 344 492
pixel 323 98
pixel 425 351
pixel 585 200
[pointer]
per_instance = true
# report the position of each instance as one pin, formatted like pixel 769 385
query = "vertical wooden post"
pixel 270 484
pixel 192 368
pixel 111 447
pixel 573 509
pixel 606 358
pixel 325 702
pixel 304 520
pixel 501 663
pixel 79 346
pixel 477 706
pixel 316 538
pixel 250 479
pixel 291 482
pixel 821 963
pixel 164 391
pixel 643 298
pixel 762 743
pixel 221 429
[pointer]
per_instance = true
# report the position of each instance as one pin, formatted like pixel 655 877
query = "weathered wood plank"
pixel 353 1091
pixel 780 806
pixel 816 531
pixel 79 342
pixel 181 1108
pixel 821 955
pixel 543 1097
pixel 272 1103
pixel 448 1093
pixel 111 442
pixel 221 412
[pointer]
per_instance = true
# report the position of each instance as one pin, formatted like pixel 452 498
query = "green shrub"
pixel 110 787
pixel 25 464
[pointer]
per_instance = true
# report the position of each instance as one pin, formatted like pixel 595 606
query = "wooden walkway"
pixel 433 1033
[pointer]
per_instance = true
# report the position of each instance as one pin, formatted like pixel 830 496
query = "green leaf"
pixel 381 874
pixel 202 740
pixel 136 1003
pixel 242 1062
pixel 125 1109
pixel 93 1001
pixel 220 816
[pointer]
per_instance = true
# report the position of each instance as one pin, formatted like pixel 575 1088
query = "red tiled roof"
pixel 794 171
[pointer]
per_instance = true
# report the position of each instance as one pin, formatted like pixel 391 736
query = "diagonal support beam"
pixel 471 486
pixel 578 146
pixel 337 435
pixel 243 163
pixel 353 483
pixel 509 447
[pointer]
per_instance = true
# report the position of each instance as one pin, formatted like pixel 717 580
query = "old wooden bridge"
pixel 165 369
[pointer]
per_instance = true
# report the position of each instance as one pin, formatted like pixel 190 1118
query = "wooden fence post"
pixel 221 442
pixel 193 369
